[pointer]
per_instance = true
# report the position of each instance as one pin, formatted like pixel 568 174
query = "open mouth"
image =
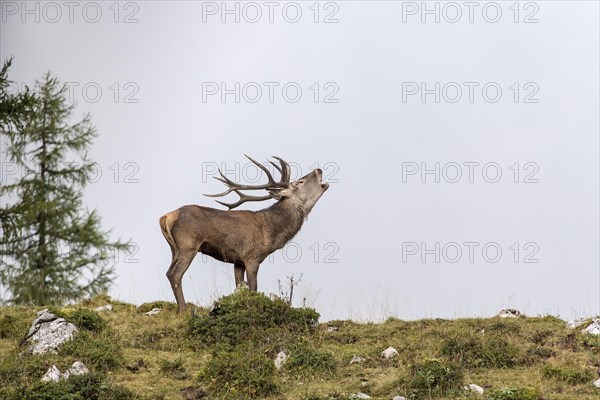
pixel 320 175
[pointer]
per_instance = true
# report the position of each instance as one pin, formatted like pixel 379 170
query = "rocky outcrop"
pixel 47 332
pixel 593 328
pixel 509 313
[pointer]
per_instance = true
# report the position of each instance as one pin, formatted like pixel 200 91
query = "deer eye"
pixel 300 182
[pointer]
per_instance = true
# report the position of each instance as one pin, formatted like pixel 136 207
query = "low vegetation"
pixel 227 352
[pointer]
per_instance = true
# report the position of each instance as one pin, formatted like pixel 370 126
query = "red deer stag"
pixel 240 237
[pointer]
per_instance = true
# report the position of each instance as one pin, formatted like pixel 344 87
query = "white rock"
pixel 509 313
pixel 390 352
pixel 152 312
pixel 280 359
pixel 474 388
pixel 360 395
pixel 399 398
pixel 593 328
pixel 597 383
pixel 107 307
pixel 78 368
pixel 575 323
pixel 48 331
pixel 356 360
pixel 52 375
pixel 332 329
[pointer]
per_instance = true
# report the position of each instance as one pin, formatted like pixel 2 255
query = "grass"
pixel 227 352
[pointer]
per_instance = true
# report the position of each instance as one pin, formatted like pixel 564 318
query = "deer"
pixel 243 238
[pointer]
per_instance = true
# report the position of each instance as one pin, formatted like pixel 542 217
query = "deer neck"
pixel 283 221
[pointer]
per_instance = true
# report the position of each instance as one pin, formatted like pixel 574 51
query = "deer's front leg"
pixel 238 271
pixel 251 273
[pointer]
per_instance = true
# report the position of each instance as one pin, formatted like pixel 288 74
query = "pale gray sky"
pixel 350 86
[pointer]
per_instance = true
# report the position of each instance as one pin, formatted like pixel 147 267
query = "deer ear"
pixel 279 194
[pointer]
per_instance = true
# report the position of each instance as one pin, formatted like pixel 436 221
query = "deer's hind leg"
pixel 181 262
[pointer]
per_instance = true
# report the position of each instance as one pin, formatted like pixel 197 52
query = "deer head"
pixel 302 193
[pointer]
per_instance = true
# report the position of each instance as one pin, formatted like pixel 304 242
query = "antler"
pixel 284 169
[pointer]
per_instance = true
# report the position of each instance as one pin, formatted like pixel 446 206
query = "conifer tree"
pixel 52 248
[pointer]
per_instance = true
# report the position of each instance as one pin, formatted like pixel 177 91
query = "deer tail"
pixel 166 221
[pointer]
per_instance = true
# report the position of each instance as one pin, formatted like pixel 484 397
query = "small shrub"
pixel 304 360
pixel 505 326
pixel 239 374
pixel 340 333
pixel 100 351
pixel 86 319
pixel 247 316
pixel 174 369
pixel 7 326
pixel 569 375
pixel 536 353
pixel 540 337
pixel 515 394
pixel 16 324
pixel 481 352
pixel 435 377
pixel 82 387
pixel 20 366
pixel 588 342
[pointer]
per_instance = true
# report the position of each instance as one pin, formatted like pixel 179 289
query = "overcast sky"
pixel 462 153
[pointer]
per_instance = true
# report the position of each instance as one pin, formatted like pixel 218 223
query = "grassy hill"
pixel 227 353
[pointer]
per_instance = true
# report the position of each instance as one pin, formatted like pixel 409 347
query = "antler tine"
pixel 276 166
pixel 243 198
pixel 225 193
pixel 265 170
pixel 285 170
